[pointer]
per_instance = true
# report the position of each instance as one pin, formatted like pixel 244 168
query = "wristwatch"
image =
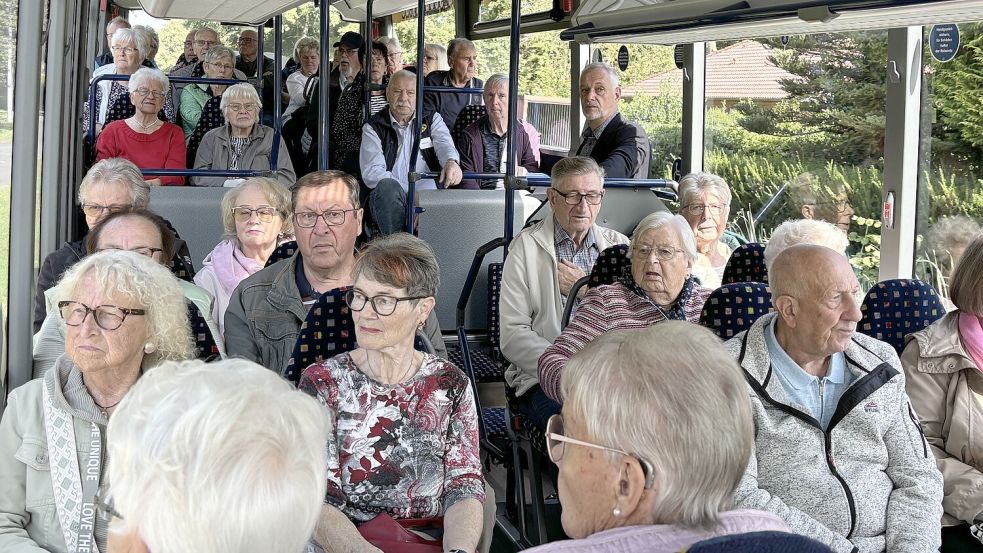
pixel 457 551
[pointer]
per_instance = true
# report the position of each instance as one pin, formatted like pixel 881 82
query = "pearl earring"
pixel 616 512
pixel 149 348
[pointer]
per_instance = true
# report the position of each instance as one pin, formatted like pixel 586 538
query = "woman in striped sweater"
pixel 659 287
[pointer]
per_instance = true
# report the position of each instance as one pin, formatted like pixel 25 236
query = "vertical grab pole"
pixel 277 87
pixel 324 88
pixel 512 129
pixel 417 121
pixel 260 53
pixel 368 59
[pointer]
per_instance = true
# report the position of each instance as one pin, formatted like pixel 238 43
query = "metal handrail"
pixel 246 173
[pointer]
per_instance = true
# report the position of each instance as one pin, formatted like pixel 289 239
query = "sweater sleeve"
pixel 107 144
pixel 590 322
pixel 205 158
pixel 176 154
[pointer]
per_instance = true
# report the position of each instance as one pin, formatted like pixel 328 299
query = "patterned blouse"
pixel 410 449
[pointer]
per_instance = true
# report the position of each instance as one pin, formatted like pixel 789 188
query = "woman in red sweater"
pixel 143 138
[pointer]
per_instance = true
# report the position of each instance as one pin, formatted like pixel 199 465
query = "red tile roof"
pixel 739 71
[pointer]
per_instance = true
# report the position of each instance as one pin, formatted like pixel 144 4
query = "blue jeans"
pixel 538 406
pixel 388 205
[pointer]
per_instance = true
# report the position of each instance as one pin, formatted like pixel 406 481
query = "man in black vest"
pixel 619 146
pixel 387 144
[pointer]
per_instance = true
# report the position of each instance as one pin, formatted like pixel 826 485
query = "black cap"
pixel 352 40
pixel 336 44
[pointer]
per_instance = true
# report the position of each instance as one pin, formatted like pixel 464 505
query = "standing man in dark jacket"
pixel 463 59
pixel 619 146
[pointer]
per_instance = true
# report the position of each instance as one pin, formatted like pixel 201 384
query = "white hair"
pixel 218 457
pixel 139 40
pixel 677 223
pixel 456 44
pixel 695 184
pixel 217 52
pixel 239 93
pixel 804 231
pixel 117 170
pixel 496 81
pixel 145 74
pixel 611 73
pixel 153 41
pixel 390 42
pixel 672 395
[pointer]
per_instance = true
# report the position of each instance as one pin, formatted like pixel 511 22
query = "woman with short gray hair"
pixel 217 63
pixel 242 142
pixel 307 54
pixel 704 200
pixel 659 286
pixel 635 475
pixel 434 58
pixel 426 464
pixel 144 138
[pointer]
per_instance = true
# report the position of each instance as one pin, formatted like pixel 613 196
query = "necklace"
pixel 107 407
pixel 402 376
pixel 146 128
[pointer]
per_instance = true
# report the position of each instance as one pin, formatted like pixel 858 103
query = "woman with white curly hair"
pixel 124 313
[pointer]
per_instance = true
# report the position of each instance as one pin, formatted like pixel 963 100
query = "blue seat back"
pixel 733 308
pixel 759 542
pixel 896 308
pixel 746 264
pixel 283 251
pixel 211 118
pixel 205 346
pixel 609 266
pixel 468 115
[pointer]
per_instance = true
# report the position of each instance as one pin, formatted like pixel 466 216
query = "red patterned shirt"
pixel 409 449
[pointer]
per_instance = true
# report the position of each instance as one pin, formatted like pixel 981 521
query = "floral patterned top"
pixel 409 449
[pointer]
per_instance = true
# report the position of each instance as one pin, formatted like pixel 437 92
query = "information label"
pixel 943 42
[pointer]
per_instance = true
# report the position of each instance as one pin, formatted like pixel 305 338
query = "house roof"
pixel 741 70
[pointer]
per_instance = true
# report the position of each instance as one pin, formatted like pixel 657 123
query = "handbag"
pixel 392 536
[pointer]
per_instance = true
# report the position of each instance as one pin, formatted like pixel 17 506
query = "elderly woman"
pixel 111 185
pixel 271 453
pixel 942 366
pixel 482 145
pixel 704 200
pixel 242 143
pixel 153 44
pixel 634 475
pixel 139 231
pixel 307 52
pixel 434 58
pixel 660 287
pixel 406 441
pixel 144 138
pixel 130 48
pixel 124 314
pixel 255 215
pixel 218 63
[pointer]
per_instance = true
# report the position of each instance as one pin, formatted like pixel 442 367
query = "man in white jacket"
pixel 544 261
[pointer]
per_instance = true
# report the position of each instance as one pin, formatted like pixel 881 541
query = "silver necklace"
pixel 405 372
pixel 146 128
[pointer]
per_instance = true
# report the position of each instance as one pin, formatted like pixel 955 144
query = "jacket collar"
pixel 284 293
pixel 940 340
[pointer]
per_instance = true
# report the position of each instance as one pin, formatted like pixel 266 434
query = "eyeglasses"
pixel 244 214
pixel 574 198
pixel 663 253
pixel 125 50
pixel 347 51
pixel 246 40
pixel 95 210
pixel 144 91
pixel 699 209
pixel 242 107
pixel 840 205
pixel 206 42
pixel 188 43
pixel 382 304
pixel 392 55
pixel 145 251
pixel 105 507
pixel 555 444
pixel 108 317
pixel 222 66
pixel 308 219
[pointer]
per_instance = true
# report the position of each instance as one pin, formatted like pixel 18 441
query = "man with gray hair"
pixel 544 262
pixel 114 25
pixel 462 56
pixel 839 453
pixel 394 56
pixel 619 146
pixel 482 145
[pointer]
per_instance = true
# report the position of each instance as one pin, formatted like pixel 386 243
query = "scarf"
pixel 236 145
pixel 231 265
pixel 675 311
pixel 972 336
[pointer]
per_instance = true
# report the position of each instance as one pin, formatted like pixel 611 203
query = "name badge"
pixel 426 143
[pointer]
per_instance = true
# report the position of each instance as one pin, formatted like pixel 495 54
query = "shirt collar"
pixel 560 235
pixel 597 133
pixel 396 124
pixel 796 375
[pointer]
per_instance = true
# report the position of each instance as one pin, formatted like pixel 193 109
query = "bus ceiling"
pixel 686 21
pixel 257 11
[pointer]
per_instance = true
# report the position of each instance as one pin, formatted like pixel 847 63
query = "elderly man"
pixel 813 199
pixel 544 261
pixel 839 453
pixel 463 59
pixel 114 25
pixel 267 309
pixel 618 145
pixel 188 56
pixel 394 56
pixel 205 38
pixel 246 61
pixel 387 142
pixel 483 143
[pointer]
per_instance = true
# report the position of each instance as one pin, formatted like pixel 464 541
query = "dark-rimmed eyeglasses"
pixel 663 253
pixel 556 443
pixel 333 218
pixel 95 210
pixel 125 50
pixel 383 305
pixel 574 198
pixel 244 214
pixel 108 317
pixel 145 251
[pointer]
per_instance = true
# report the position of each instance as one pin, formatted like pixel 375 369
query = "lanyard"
pixel 90 486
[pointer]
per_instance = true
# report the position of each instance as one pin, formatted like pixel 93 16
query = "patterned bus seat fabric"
pixel 733 308
pixel 609 266
pixel 894 309
pixel 746 264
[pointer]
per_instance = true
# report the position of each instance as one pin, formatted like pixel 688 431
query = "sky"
pixel 140 17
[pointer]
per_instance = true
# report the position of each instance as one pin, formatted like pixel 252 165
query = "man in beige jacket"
pixel 544 261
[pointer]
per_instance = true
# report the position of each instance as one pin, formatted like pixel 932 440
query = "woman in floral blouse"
pixel 406 429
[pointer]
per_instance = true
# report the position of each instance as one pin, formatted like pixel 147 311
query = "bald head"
pixel 804 268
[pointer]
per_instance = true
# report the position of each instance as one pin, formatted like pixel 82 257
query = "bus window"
pixel 807 112
pixel 950 198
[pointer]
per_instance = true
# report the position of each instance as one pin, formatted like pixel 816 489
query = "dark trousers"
pixel 387 202
pixel 538 406
pixel 957 539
